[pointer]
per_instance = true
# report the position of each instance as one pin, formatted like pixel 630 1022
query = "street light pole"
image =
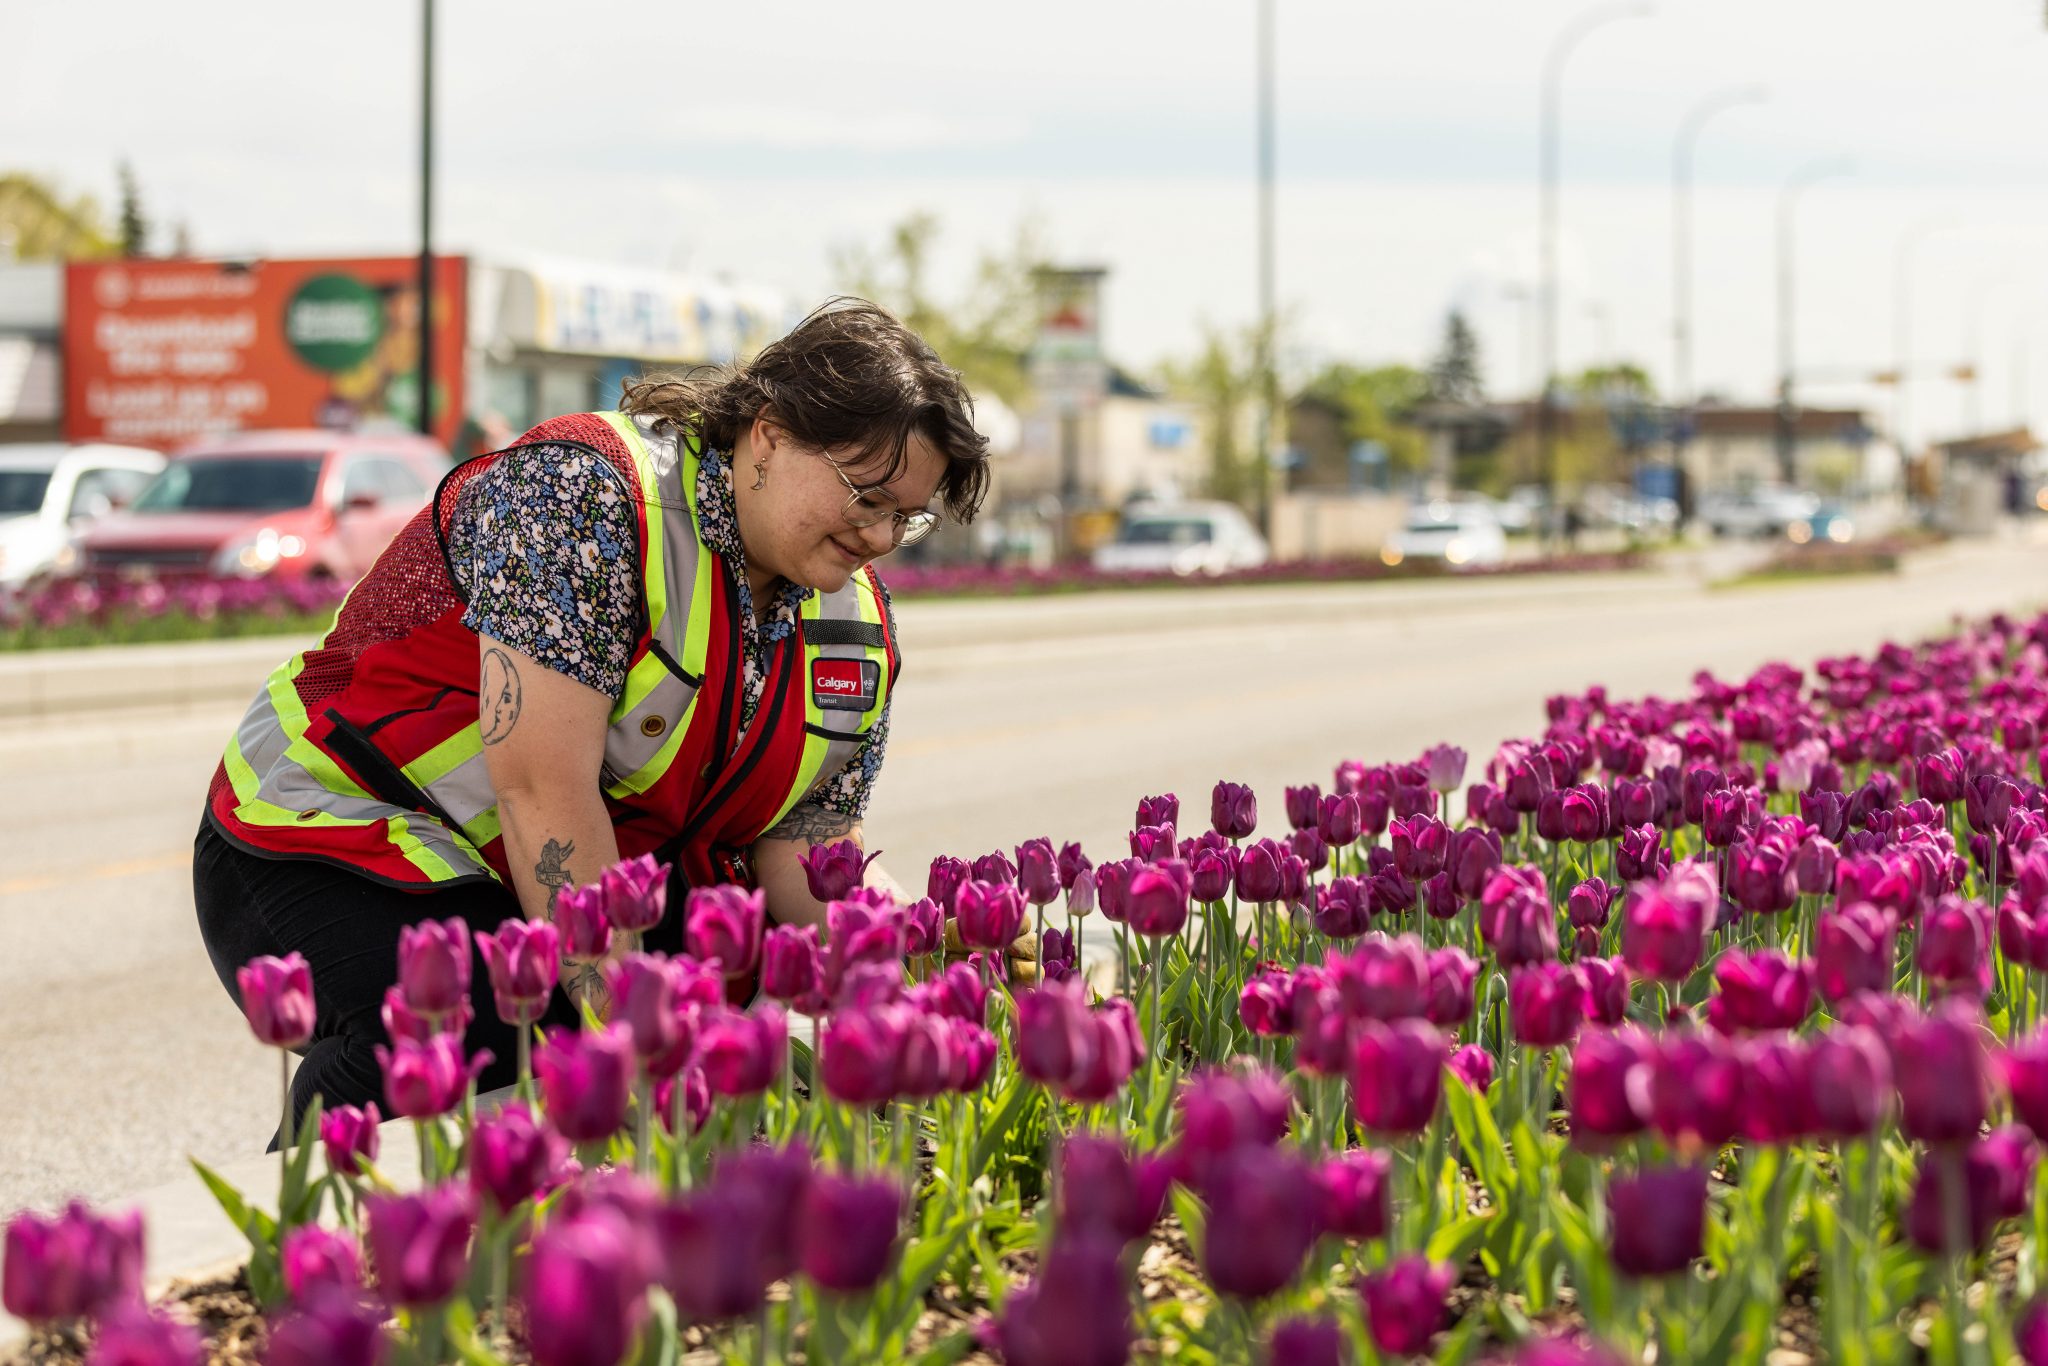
pixel 1561 49
pixel 425 377
pixel 1682 151
pixel 1788 202
pixel 1268 404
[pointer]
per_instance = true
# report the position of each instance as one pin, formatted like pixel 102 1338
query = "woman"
pixel 651 631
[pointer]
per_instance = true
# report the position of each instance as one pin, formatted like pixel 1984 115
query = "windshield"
pixel 243 484
pixel 1167 531
pixel 22 491
pixel 1430 528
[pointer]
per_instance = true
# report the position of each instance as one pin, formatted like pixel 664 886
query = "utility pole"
pixel 426 271
pixel 1268 418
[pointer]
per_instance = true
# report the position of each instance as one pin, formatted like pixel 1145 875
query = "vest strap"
pixel 844 631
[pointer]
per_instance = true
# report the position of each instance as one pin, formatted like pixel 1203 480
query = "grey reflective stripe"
pixel 465 791
pixel 836 609
pixel 637 736
pixel 261 737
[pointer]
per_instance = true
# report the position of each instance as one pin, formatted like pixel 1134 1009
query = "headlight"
pixel 1800 532
pixel 1390 555
pixel 1458 551
pixel 251 555
pixel 1839 531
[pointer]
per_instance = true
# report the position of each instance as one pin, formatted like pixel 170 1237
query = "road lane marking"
pixel 156 863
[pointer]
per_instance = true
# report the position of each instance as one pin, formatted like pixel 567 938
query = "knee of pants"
pixel 341 1069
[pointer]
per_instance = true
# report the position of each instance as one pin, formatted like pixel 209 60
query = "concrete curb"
pixel 52 684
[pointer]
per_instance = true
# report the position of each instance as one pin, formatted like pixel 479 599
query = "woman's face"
pixel 795 524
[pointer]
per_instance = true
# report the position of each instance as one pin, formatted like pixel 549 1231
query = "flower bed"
pixel 1708 1028
pixel 979 581
pixel 73 612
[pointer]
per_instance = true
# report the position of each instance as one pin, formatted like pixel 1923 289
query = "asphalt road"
pixel 120 1054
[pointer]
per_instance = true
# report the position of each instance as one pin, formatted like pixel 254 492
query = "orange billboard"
pixel 159 352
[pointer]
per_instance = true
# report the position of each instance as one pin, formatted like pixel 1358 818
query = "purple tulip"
pixel 644 994
pixel 349 1136
pixel 2024 1067
pixel 1607 990
pixel 419 1244
pixel 990 914
pixel 1343 908
pixel 581 925
pixel 2030 1334
pixel 1222 1110
pixel 1972 1176
pixel 1664 927
pixel 277 998
pixel 1115 1053
pixel 1233 810
pixel 585 1080
pixel 511 1156
pixel 131 1335
pixel 1302 804
pixel 585 1289
pixel 1076 1313
pixel 1107 1190
pixel 789 962
pixel 314 1258
pixel 743 1054
pixel 1954 948
pixel 1397 1075
pixel 1149 843
pixel 1473 859
pixel 402 1022
pixel 1261 877
pixel 524 960
pixel 1516 918
pixel 1760 991
pixel 1777 1090
pixel 1473 1066
pixel 1404 1304
pixel 1308 1342
pixel 1453 980
pixel 1852 951
pixel 334 1328
pixel 1659 1218
pixel 696 1094
pixel 1156 899
pixel 1546 1003
pixel 70 1264
pixel 717 1244
pixel 1939 776
pixel 1944 1074
pixel 1421 844
pixel 422 1080
pixel 857 1055
pixel 1693 1090
pixel 1586 905
pixel 1262 1220
pixel 1599 1095
pixel 1339 819
pixel 1641 854
pixel 846 1231
pixel 1354 1200
pixel 1383 979
pixel 1444 767
pixel 635 893
pixel 1038 872
pixel 833 870
pixel 433 965
pixel 996 867
pixel 726 923
pixel 1851 1075
pixel 947 874
pixel 1164 810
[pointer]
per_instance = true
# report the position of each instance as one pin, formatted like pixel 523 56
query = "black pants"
pixel 346 927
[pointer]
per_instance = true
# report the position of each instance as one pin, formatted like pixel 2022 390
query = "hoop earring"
pixel 760 473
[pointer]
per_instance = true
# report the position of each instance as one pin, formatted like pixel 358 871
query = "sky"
pixel 757 141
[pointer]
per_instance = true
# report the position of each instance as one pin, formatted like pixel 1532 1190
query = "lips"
pixel 852 557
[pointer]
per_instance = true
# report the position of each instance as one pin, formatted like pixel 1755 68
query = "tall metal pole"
pixel 1682 152
pixel 1268 385
pixel 1788 203
pixel 1552 99
pixel 1902 324
pixel 426 265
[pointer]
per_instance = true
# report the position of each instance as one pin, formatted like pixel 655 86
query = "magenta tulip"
pixel 335 1328
pixel 635 893
pixel 1473 1066
pixel 1760 991
pixel 1106 1189
pixel 1156 900
pixel 1659 1218
pixel 726 923
pixel 1944 1074
pixel 277 998
pixel 742 1054
pixel 523 959
pixel 585 1078
pixel 1383 979
pixel 1397 1075
pixel 433 965
pixel 349 1136
pixel 314 1258
pixel 1076 1313
pixel 1354 1200
pixel 1599 1095
pixel 846 1231
pixel 1607 989
pixel 1546 1003
pixel 1262 1220
pixel 581 925
pixel 644 990
pixel 833 870
pixel 419 1244
pixel 990 914
pixel 1404 1304
pixel 512 1154
pixel 422 1080
pixel 131 1335
pixel 1852 950
pixel 584 1289
pixel 1851 1075
pixel 70 1264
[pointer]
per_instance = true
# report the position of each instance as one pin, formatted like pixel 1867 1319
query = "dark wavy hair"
pixel 850 374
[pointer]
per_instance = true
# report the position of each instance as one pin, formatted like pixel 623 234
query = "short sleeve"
pixel 846 792
pixel 545 546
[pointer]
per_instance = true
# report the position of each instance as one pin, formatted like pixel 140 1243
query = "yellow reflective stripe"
pixel 444 758
pixel 650 508
pixel 399 830
pixel 813 759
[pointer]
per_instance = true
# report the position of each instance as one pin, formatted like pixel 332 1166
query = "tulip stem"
pixel 525 1091
pixel 284 1131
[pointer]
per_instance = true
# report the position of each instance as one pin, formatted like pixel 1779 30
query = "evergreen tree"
pixel 134 223
pixel 1454 376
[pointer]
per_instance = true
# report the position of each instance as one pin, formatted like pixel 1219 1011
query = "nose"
pixel 880 538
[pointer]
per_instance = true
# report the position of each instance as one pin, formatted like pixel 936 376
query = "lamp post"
pixel 1788 204
pixel 1561 49
pixel 1268 416
pixel 425 379
pixel 1682 151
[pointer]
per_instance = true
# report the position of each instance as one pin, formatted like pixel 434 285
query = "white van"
pixel 50 491
pixel 1184 538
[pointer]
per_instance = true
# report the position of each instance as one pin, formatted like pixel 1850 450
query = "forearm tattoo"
pixel 552 872
pixel 584 981
pixel 813 824
pixel 497 699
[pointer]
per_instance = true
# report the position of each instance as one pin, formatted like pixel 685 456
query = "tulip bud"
pixel 422 1080
pixel 349 1136
pixel 726 923
pixel 1353 1197
pixel 433 965
pixel 334 1328
pixel 1981 1178
pixel 277 998
pixel 585 1289
pixel 743 1054
pixel 512 1155
pixel 1397 1075
pixel 1545 1004
pixel 1954 947
pixel 1404 1304
pixel 1038 873
pixel 1659 1218
pixel 1233 810
pixel 580 922
pixel 70 1264
pixel 1473 1066
pixel 419 1244
pixel 585 1080
pixel 1262 1220
pixel 524 960
pixel 314 1258
pixel 846 1231
pixel 1260 876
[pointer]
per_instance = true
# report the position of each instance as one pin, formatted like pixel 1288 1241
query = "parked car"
pixel 1755 512
pixel 287 504
pixel 51 491
pixel 1826 522
pixel 1186 538
pixel 1461 535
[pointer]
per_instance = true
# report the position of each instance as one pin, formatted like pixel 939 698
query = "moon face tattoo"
pixel 497 702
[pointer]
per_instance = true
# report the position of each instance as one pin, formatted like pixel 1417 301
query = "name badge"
pixel 845 684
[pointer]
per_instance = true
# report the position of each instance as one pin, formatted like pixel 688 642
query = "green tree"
pixel 134 222
pixel 1454 374
pixel 38 224
pixel 985 333
pixel 1221 381
pixel 1378 403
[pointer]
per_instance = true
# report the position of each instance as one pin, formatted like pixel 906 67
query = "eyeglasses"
pixel 863 511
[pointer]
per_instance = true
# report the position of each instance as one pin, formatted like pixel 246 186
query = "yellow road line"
pixel 156 863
